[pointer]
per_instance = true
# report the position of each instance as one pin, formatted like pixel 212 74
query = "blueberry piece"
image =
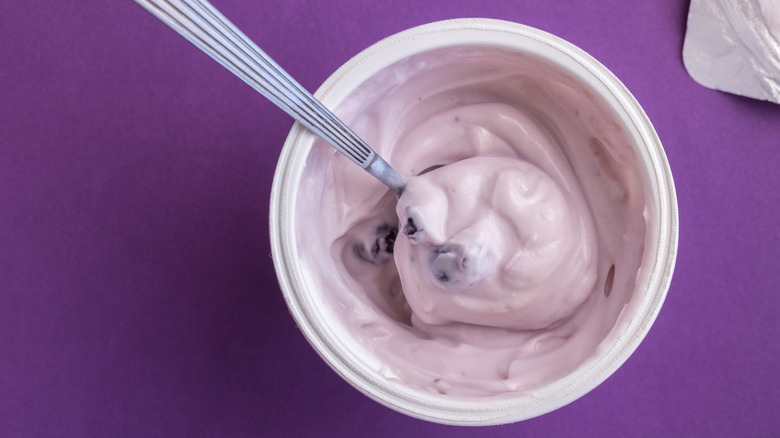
pixel 444 264
pixel 410 227
pixel 390 239
pixel 377 246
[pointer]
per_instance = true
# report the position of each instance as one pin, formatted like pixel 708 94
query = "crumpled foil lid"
pixel 734 46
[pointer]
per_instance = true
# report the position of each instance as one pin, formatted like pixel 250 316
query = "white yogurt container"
pixel 351 359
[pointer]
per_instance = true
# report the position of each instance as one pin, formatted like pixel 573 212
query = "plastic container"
pixel 355 364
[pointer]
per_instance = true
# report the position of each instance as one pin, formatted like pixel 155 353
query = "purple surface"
pixel 137 291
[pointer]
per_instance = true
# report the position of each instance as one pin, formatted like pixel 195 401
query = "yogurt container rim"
pixel 347 359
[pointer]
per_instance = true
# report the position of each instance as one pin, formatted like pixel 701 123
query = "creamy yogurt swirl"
pixel 494 241
pixel 524 242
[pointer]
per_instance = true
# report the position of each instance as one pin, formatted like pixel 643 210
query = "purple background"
pixel 137 291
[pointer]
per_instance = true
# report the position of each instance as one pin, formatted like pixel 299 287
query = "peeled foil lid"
pixel 734 46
